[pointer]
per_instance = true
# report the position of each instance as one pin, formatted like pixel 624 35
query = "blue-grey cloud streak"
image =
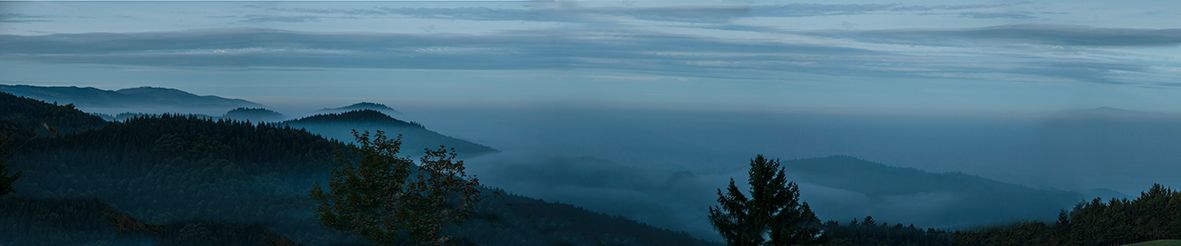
pixel 612 49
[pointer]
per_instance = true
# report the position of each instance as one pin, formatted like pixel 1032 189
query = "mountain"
pixel 29 117
pixel 415 137
pixel 138 100
pixel 363 106
pixel 169 179
pixel 848 187
pixel 254 115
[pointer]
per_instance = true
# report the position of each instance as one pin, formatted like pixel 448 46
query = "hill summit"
pixel 364 106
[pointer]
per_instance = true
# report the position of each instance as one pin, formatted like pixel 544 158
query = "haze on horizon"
pixel 856 56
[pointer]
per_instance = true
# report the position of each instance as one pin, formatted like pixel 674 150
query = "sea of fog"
pixel 663 166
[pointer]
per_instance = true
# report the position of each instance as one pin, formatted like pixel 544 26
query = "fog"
pixel 662 166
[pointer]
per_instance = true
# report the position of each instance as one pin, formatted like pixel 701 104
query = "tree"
pixel 6 179
pixel 384 198
pixel 773 215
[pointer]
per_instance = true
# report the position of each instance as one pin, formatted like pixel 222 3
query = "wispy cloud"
pixel 1000 15
pixel 866 56
pixel 1044 34
pixel 567 12
pixel 275 18
pixel 21 18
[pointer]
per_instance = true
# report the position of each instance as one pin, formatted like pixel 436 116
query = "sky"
pixel 855 56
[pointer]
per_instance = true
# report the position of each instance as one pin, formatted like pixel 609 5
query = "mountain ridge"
pixel 415 136
pixel 138 99
pixel 362 106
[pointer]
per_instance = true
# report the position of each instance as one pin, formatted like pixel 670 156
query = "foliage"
pixel 773 210
pixel 378 198
pixel 869 232
pixel 43 119
pixel 1156 214
pixel 6 180
pixel 253 114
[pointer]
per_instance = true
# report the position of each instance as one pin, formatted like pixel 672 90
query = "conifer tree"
pixel 772 215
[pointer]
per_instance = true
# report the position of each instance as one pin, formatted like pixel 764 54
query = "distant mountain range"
pixel 847 187
pixel 416 138
pixel 136 100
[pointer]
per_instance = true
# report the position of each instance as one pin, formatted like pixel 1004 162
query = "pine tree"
pixel 386 200
pixel 773 215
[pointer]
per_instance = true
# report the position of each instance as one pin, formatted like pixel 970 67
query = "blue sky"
pixel 860 56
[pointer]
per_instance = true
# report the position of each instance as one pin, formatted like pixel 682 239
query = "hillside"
pixel 25 221
pixel 254 115
pixel 901 194
pixel 363 106
pixel 239 181
pixel 29 117
pixel 415 137
pixel 136 100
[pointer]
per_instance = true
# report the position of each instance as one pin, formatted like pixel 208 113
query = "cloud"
pixel 566 12
pixel 1044 34
pixel 286 19
pixel 952 54
pixel 517 50
pixel 21 18
pixel 1000 15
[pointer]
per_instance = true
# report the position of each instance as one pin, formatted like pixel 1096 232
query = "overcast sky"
pixel 913 56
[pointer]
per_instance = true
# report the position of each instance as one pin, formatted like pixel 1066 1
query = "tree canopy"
pixel 384 198
pixel 772 215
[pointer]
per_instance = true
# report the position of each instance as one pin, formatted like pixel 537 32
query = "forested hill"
pixel 254 115
pixel 415 137
pixel 171 171
pixel 364 116
pixel 25 116
pixel 363 106
pixel 138 100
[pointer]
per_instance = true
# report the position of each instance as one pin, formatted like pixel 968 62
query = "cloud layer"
pixel 1011 53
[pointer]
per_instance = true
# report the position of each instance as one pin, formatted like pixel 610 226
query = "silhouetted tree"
pixel 385 199
pixel 773 215
pixel 1154 215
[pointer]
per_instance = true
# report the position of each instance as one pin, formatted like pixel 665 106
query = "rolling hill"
pixel 415 137
pixel 254 115
pixel 363 106
pixel 947 200
pixel 28 117
pixel 135 100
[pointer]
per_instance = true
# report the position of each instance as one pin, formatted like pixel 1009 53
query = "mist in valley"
pixel 663 166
